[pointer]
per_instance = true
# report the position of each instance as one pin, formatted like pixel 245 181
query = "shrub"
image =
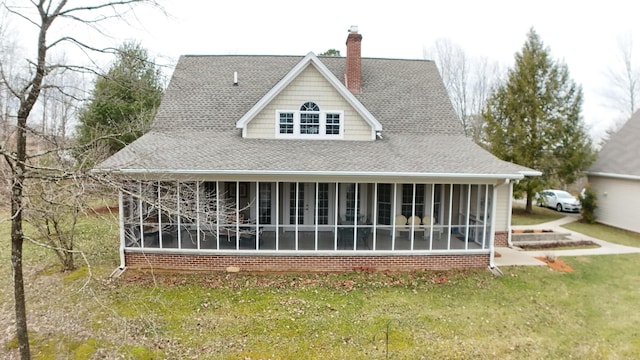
pixel 589 205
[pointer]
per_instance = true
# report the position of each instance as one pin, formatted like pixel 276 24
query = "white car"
pixel 559 200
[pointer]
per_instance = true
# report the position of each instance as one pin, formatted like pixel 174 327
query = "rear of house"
pixel 306 163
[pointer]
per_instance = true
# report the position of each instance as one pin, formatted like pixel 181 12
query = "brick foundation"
pixel 501 239
pixel 304 263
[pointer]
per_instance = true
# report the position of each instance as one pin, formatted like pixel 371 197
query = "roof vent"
pixel 235 78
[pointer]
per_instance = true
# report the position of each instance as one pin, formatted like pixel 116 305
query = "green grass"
pixel 540 215
pixel 605 232
pixel 530 312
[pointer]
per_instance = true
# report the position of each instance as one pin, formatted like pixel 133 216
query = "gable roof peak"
pixel 308 60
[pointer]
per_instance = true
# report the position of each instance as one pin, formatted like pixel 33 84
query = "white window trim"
pixel 296 126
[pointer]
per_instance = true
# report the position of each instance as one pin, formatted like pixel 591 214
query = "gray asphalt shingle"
pixel 621 154
pixel 195 131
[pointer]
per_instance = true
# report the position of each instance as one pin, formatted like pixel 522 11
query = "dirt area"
pixel 559 244
pixel 112 209
pixel 557 264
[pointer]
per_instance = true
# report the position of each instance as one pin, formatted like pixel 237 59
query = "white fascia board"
pixel 320 173
pixel 612 175
pixel 531 173
pixel 291 75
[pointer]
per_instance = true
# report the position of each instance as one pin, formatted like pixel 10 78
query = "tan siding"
pixel 616 206
pixel 502 208
pixel 310 85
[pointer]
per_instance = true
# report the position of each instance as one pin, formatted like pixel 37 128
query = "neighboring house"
pixel 271 163
pixel 615 178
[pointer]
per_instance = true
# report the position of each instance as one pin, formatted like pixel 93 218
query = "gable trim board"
pixel 309 59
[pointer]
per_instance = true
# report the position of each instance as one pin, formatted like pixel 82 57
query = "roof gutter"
pixel 612 175
pixel 512 176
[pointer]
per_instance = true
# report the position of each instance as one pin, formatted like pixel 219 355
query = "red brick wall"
pixel 354 63
pixel 304 263
pixel 501 239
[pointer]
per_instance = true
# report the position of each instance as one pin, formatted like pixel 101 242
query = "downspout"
pixel 492 239
pixel 119 270
pixel 509 213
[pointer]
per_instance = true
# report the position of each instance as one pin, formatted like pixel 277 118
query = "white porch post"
pixel 450 216
pixel 122 234
pixel 492 237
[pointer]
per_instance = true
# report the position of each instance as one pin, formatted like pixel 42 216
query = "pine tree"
pixel 124 101
pixel 534 120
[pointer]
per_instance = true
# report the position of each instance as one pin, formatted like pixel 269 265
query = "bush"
pixel 589 205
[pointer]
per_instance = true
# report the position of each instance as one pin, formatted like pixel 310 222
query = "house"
pixel 307 163
pixel 615 178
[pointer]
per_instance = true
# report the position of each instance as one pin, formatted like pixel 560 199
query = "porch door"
pixel 303 206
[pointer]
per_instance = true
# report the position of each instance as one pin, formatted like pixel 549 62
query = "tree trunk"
pixel 529 208
pixel 67 263
pixel 17 238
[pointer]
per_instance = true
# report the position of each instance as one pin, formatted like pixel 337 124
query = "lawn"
pixel 605 232
pixel 540 215
pixel 530 312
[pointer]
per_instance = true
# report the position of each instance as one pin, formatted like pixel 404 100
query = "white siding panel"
pixel 618 202
pixel 502 207
pixel 310 85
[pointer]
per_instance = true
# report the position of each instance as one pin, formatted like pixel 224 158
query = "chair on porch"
pixel 400 223
pixel 415 222
pixel 429 222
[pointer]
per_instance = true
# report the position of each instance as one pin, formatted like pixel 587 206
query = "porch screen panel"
pixel 168 203
pixel 189 216
pixel 384 217
pixel 384 204
pixel 149 214
pixel 408 199
pixel 352 204
pixel 488 205
pixel 131 214
pixel 265 203
pixel 323 204
pixel 208 216
pixel 296 204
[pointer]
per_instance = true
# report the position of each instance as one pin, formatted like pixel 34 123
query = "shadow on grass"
pixel 539 215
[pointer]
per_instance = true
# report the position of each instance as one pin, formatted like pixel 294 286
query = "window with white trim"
pixel 310 122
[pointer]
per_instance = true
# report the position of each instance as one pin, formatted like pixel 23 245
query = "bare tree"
pixel 42 15
pixel 469 82
pixel 624 77
pixel 154 207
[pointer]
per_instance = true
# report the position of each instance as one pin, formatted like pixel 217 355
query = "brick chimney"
pixel 353 77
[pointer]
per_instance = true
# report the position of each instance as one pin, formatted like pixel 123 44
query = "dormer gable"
pixel 309 102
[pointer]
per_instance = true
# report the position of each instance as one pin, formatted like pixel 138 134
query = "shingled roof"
pixel 621 154
pixel 194 130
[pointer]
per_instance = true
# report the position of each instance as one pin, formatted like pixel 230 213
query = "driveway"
pixel 516 257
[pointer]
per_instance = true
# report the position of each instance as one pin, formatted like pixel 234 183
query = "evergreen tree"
pixel 124 101
pixel 534 120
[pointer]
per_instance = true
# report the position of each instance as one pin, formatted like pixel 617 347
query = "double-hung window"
pixel 310 122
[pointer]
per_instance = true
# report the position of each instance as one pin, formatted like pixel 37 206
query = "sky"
pixel 583 34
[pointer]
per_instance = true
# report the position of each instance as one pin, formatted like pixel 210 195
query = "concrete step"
pixel 539 236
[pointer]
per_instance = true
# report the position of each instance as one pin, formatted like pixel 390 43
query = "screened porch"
pixel 228 216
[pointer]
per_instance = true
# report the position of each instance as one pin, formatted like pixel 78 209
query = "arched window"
pixel 309 122
pixel 309 118
pixel 309 106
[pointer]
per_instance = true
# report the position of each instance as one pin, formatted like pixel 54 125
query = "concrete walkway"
pixel 517 257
